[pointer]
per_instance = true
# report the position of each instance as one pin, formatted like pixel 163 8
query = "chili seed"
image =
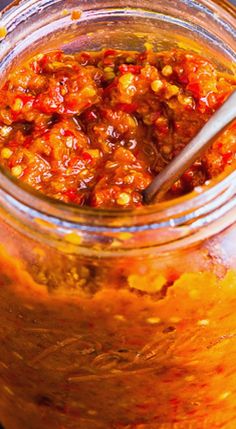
pixel 172 90
pixel 129 60
pixel 224 395
pixel 166 150
pixel 156 85
pixel 8 390
pixel 185 100
pixel 203 322
pixel 18 105
pixel 94 153
pixel 167 71
pixel 16 171
pixel 6 153
pixel 109 75
pixel 153 320
pixel 189 378
pixel 126 80
pixel 64 12
pixel 108 69
pixel 92 412
pixel 74 238
pixel 88 91
pixel 3 32
pixel 148 46
pixel 119 317
pixel 175 319
pixel 4 131
pixel 123 199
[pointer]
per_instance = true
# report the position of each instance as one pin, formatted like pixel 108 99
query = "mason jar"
pixel 117 319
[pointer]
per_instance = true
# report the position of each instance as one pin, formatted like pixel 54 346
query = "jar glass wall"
pixel 108 319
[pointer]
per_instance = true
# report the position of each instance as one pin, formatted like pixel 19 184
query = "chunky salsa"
pixel 95 128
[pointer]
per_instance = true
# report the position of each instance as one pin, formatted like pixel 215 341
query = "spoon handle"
pixel 210 131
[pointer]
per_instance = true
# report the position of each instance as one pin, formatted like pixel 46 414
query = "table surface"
pixel 4 3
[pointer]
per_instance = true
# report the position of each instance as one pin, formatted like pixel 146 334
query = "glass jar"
pixel 118 319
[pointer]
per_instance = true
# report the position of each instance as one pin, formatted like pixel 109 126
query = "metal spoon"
pixel 216 125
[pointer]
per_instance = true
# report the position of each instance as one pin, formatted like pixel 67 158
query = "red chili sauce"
pixel 95 128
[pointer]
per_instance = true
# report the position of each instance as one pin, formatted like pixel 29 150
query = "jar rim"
pixel 227 5
pixel 192 206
